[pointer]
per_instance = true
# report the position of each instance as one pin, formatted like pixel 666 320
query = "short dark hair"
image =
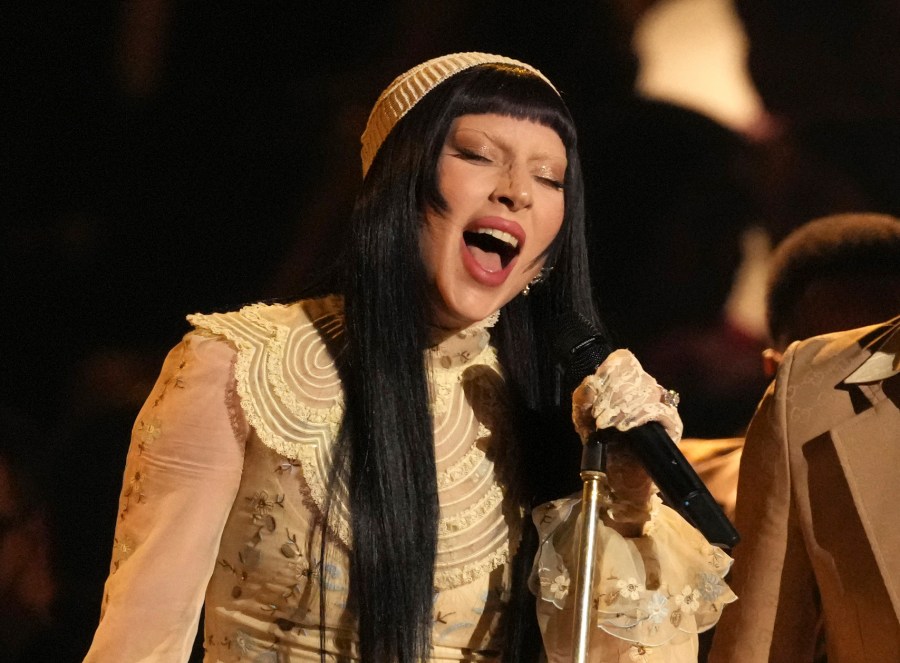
pixel 850 260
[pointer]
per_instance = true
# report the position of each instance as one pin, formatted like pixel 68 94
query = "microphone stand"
pixel 593 465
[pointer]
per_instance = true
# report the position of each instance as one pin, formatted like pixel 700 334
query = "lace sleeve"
pixel 182 473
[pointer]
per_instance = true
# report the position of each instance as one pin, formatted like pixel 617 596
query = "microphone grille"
pixel 572 329
pixel 578 346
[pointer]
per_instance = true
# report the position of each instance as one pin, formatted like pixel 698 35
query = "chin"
pixel 460 313
pixel 457 320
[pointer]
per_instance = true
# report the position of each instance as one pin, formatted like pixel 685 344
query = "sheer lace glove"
pixel 620 395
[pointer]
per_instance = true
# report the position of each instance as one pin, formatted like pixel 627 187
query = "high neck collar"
pixel 460 348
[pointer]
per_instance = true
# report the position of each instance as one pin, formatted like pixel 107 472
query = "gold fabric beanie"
pixel 407 89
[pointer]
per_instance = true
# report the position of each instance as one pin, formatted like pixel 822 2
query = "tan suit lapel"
pixel 870 467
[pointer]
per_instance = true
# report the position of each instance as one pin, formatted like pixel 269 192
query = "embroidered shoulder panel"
pixel 288 384
pixel 291 395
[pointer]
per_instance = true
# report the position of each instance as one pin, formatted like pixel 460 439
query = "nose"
pixel 513 189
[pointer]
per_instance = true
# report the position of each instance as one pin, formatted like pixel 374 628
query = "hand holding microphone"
pixel 614 393
pixel 620 396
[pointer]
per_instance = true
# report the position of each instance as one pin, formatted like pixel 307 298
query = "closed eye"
pixel 555 184
pixel 472 156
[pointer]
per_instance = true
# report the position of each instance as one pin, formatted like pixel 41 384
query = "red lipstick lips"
pixel 490 247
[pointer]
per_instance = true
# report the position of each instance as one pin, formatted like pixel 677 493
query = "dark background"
pixel 167 157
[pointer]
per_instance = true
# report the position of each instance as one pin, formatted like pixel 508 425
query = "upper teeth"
pixel 499 234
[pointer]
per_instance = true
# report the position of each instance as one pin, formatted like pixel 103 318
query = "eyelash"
pixel 474 156
pixel 559 186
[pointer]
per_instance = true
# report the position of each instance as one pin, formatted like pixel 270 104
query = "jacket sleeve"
pixel 182 473
pixel 775 617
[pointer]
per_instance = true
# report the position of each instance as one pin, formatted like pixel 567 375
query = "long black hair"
pixel 385 450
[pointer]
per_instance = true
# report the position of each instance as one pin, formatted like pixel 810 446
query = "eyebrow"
pixel 504 145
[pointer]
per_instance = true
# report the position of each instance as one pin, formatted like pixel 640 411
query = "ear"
pixel 771 360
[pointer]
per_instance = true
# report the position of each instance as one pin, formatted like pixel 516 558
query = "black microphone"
pixel 580 349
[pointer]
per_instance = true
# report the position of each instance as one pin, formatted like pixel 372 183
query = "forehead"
pixel 510 133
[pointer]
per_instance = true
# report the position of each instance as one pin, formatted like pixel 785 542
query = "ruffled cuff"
pixel 665 586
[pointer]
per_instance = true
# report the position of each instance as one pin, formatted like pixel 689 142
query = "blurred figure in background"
pixel 834 273
pixel 819 473
pixel 669 196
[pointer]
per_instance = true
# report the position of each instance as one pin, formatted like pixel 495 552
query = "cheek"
pixel 558 219
pixel 435 244
pixel 427 250
pixel 551 224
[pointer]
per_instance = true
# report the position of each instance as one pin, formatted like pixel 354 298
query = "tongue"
pixel 488 260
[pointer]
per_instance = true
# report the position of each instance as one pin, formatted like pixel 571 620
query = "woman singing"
pixel 356 477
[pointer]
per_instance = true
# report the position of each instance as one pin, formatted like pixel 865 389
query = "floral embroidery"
pixel 441 618
pixel 560 586
pixel 145 434
pixel 304 572
pixel 557 581
pixel 249 556
pixel 125 546
pixel 226 564
pixel 657 607
pixel 262 507
pixel 710 586
pixel 148 433
pixel 688 600
pixel 122 549
pixel 630 588
pixel 639 653
pixel 174 381
pixel 290 548
pixel 243 642
pixel 638 595
pixel 134 490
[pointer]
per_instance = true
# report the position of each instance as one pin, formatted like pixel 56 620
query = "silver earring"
pixel 539 278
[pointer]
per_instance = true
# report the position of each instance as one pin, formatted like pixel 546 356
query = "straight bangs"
pixel 515 92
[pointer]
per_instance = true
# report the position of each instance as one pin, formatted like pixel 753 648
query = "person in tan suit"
pixel 819 488
pixel 829 274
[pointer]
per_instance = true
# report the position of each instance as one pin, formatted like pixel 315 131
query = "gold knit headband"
pixel 407 89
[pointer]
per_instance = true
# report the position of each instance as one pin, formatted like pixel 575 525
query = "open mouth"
pixel 492 249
